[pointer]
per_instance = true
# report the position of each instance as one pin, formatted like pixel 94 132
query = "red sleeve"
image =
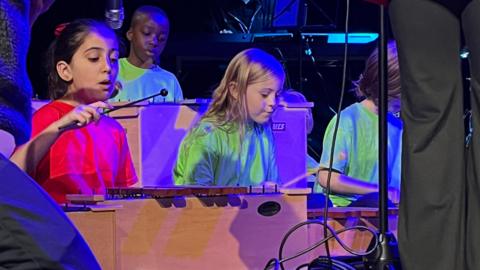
pixel 43 118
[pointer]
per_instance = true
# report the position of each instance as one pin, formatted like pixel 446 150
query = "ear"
pixel 129 34
pixel 233 89
pixel 63 70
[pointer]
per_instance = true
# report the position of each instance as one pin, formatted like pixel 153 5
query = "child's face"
pixel 148 38
pixel 261 99
pixel 93 69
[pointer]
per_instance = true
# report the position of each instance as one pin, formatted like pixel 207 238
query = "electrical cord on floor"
pixel 328 232
pixel 277 263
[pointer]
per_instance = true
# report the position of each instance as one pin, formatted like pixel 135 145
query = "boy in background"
pixel 139 73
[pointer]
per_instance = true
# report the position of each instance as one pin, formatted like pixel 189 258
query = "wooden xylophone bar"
pixel 168 192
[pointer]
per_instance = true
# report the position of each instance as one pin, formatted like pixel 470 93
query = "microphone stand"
pixel 385 256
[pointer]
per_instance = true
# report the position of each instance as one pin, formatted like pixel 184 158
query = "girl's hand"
pixel 82 115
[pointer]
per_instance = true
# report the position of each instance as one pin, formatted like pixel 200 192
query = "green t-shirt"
pixel 356 148
pixel 140 83
pixel 214 156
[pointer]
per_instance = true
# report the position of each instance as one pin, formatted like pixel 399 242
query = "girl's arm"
pixel 343 184
pixel 29 155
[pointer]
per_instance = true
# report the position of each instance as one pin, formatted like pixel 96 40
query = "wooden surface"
pixel 219 232
pixel 99 231
pixel 216 232
pixel 85 198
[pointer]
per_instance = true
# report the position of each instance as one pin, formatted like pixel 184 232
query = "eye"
pixel 93 59
pixel 114 58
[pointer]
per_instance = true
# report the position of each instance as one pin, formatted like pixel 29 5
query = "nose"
pixel 154 40
pixel 272 101
pixel 108 65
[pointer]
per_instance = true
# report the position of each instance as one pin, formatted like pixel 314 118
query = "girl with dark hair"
pixel 88 158
pixel 35 233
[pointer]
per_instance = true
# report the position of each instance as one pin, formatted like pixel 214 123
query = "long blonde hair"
pixel 228 104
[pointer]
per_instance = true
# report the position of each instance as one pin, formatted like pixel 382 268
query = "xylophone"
pixel 196 227
pixel 210 227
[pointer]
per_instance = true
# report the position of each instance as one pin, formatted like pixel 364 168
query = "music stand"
pixel 385 256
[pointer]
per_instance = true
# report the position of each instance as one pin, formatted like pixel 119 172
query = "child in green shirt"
pixel 139 74
pixel 233 145
pixel 355 160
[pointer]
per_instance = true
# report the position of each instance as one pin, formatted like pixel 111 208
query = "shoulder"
pixel 127 71
pixel 206 128
pixel 164 73
pixel 53 110
pixel 124 64
pixel 354 110
pixel 48 114
pixel 348 115
pixel 205 132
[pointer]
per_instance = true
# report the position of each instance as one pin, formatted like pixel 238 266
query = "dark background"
pixel 198 56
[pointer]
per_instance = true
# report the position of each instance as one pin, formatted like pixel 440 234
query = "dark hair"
pixel 368 83
pixel 64 47
pixel 147 11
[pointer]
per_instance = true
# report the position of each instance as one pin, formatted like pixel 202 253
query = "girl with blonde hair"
pixel 233 142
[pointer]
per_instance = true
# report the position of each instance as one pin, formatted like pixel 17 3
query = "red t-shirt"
pixel 85 160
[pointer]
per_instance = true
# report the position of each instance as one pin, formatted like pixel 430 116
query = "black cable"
pixel 327 261
pixel 337 122
pixel 322 263
pixel 272 261
pixel 317 155
pixel 333 234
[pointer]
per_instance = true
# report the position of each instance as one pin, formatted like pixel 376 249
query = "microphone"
pixel 114 13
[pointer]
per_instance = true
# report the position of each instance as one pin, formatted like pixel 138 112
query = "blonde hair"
pixel 229 98
pixel 368 83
